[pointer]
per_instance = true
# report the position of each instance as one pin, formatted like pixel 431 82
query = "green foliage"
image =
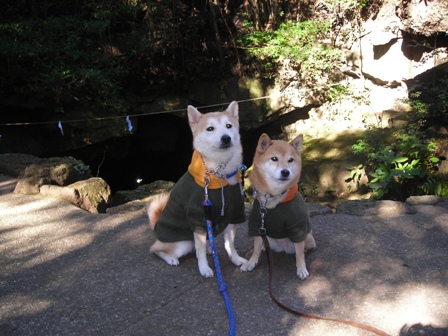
pixel 94 52
pixel 61 60
pixel 337 92
pixel 296 41
pixel 346 4
pixel 428 95
pixel 400 163
pixel 430 101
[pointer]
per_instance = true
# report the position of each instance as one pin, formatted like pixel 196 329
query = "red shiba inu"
pixel 178 218
pixel 275 174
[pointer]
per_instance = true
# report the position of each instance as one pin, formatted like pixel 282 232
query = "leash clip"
pixel 206 184
pixel 207 203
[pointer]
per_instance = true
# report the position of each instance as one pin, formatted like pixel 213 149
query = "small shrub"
pixel 400 163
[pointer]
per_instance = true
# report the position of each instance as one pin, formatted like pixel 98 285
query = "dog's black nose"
pixel 285 172
pixel 225 139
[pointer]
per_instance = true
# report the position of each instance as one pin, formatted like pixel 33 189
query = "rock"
pixel 142 193
pixel 138 208
pixel 424 17
pixel 54 191
pixel 425 200
pixel 14 164
pixel 442 152
pixel 59 177
pixel 388 52
pixel 326 165
pixel 318 210
pixel 57 170
pixel 137 200
pixel 374 208
pixel 395 118
pixel 91 195
pixel 30 184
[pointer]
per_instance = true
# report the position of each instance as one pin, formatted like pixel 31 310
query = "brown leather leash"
pixel 292 311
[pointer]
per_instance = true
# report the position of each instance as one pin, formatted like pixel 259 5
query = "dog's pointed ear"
pixel 297 143
pixel 263 143
pixel 193 115
pixel 233 109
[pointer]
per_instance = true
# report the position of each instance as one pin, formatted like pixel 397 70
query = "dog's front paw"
pixel 247 267
pixel 168 259
pixel 205 271
pixel 238 261
pixel 302 273
pixel 172 261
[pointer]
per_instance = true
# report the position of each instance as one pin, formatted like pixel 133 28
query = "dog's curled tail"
pixel 156 207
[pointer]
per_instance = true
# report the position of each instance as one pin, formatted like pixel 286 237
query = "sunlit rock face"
pixel 423 17
pixel 401 42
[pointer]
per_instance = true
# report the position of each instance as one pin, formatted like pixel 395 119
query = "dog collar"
pixel 290 194
pixel 231 174
pixel 198 170
pixel 241 169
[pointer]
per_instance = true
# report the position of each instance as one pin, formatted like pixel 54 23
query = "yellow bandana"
pixel 197 170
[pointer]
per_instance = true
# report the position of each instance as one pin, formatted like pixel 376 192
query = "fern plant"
pixel 401 167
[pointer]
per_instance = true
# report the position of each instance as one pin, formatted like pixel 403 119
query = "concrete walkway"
pixel 68 272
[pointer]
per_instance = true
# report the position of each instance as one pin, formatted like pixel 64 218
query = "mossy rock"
pixel 143 192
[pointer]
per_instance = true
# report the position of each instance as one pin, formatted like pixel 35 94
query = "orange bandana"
pixel 291 194
pixel 197 170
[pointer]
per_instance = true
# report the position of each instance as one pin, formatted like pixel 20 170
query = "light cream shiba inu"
pixel 178 218
pixel 276 171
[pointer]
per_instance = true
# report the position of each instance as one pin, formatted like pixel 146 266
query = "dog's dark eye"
pixel 291 160
pixel 274 158
pixel 229 125
pixel 210 128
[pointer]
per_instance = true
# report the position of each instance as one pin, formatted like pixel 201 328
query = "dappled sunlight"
pixel 21 304
pixel 332 178
pixel 442 220
pixel 9 209
pixel 135 236
pixel 373 300
pixel 321 288
pixel 31 244
pixel 387 272
pixel 325 328
pixel 31 251
pixel 327 163
pixel 55 257
pixel 407 304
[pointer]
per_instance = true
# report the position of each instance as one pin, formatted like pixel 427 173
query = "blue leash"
pixel 222 286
